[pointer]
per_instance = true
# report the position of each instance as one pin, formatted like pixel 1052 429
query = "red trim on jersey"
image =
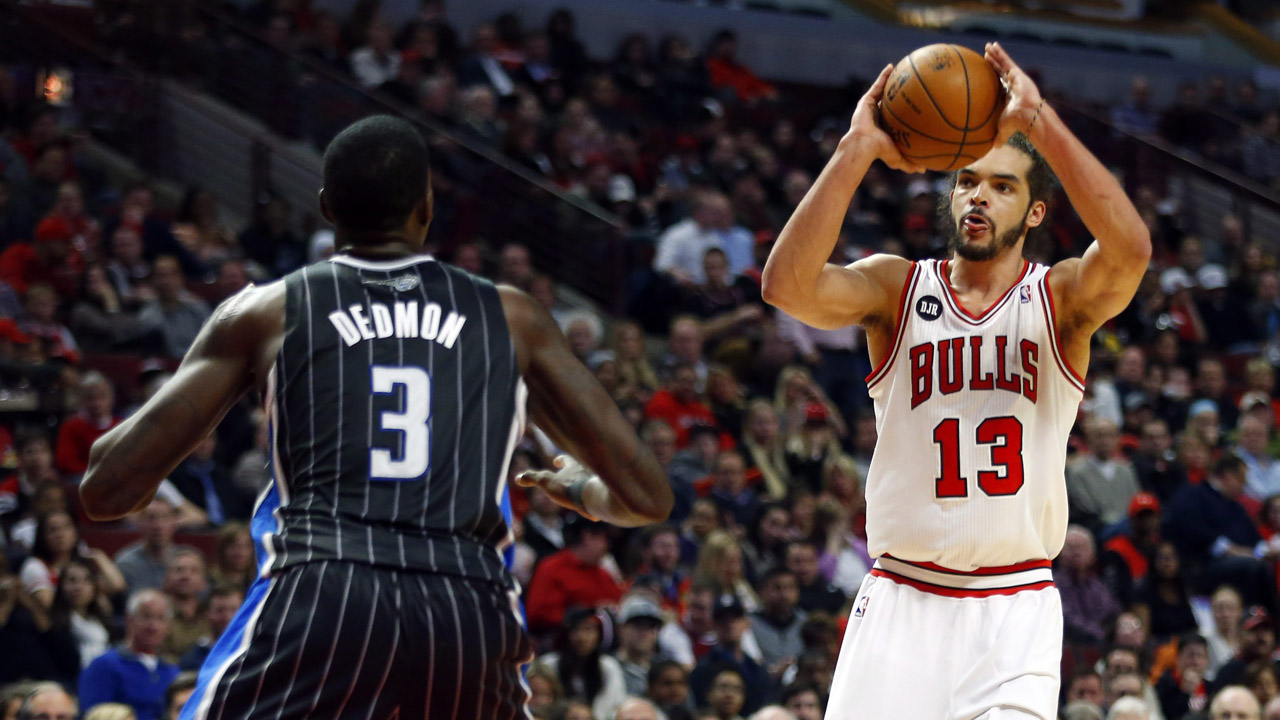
pixel 908 290
pixel 957 592
pixel 1050 316
pixel 959 310
pixel 1006 570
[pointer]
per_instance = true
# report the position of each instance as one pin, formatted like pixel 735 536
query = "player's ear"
pixel 1036 215
pixel 324 208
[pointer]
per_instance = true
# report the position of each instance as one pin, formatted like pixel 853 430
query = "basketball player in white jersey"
pixel 979 363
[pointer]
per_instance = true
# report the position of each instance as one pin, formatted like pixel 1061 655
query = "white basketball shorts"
pixel 928 643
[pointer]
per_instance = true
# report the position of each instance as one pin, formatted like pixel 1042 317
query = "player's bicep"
pixel 1099 286
pixel 854 293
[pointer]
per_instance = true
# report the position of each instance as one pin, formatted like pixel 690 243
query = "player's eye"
pixel 1005 187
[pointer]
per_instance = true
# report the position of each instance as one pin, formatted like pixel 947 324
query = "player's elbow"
pixel 1142 244
pixel 100 505
pixel 774 289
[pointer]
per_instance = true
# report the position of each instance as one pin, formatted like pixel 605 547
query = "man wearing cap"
pixel 48 258
pixel 638 641
pixel 1126 557
pixel 572 577
pixel 1100 482
pixel 1225 315
pixel 1257 644
pixel 731 625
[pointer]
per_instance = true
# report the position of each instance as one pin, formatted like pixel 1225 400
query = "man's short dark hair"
pixel 183 682
pixel 656 670
pixel 800 688
pixel 225 589
pixel 1186 640
pixel 375 174
pixel 774 572
pixel 1227 464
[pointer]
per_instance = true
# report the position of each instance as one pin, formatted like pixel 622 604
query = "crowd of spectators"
pixel 738 604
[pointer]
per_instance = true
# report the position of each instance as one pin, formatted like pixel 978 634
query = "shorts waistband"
pixel 982 582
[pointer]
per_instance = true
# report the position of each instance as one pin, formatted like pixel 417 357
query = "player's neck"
pixel 990 277
pixel 377 246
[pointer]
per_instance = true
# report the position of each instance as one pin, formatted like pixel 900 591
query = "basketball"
pixel 941 106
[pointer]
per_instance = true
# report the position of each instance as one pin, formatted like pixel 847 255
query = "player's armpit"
pixel 861 293
pixel 128 463
pixel 570 406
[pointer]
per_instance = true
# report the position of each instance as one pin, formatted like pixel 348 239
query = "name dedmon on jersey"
pixel 403 320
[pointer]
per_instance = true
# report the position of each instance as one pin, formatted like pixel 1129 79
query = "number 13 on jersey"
pixel 1001 476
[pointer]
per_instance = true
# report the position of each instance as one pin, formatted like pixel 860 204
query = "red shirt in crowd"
pixel 562 581
pixel 664 406
pixel 74 440
pixel 746 84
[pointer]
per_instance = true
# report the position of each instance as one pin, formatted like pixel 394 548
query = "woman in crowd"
pixel 233 557
pixel 1161 601
pixel 57 542
pixel 586 672
pixel 80 606
pixel 766 448
pixel 720 567
pixel 635 373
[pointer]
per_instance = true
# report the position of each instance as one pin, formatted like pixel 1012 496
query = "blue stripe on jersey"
pixel 228 646
pixel 508 553
pixel 264 523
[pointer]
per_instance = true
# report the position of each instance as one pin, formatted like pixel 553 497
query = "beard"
pixel 999 243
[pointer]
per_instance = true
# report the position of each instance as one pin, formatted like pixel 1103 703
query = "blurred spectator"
pixel 1181 689
pixel 572 577
pixel 207 484
pixel 736 502
pixel 478 115
pixel 177 312
pixel 48 700
pixel 1087 604
pixel 1262 471
pixel 1136 116
pixel 271 241
pixel 816 593
pixel 127 266
pixel 726 667
pixel 765 448
pixel 640 620
pixel 635 372
pixel 1222 632
pixel 47 259
pixel 1126 555
pixel 777 624
pixel 1100 482
pixel 1217 537
pixel 110 711
pixel 1261 151
pixel 660 561
pixel 144 562
pixel 725 308
pixel 726 72
pixel 34 648
pixel 545 690
pixel 567 52
pixel 1260 679
pixel 1257 644
pixel 720 568
pixel 377 61
pixel 1155 463
pixel 199 229
pixel 1186 123
pixel 133 673
pixel 221 607
pixel 185 584
pixel 1235 702
pixel 679 406
pixel 40 322
pixel 1161 600
pixel 543 525
pixel 810 450
pixel 81 606
pixel 482 67
pixel 668 688
pixel 585 671
pixel 96 417
pixel 767 542
pixel 104 321
pixel 57 542
pixel 682 246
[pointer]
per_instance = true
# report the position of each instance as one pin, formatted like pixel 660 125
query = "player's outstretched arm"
pixel 128 463
pixel 797 278
pixel 1099 285
pixel 627 486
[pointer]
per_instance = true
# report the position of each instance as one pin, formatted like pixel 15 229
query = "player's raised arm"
pixel 628 487
pixel 1099 285
pixel 128 463
pixel 797 278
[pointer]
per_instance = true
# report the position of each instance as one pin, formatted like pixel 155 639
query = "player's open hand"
pixel 556 483
pixel 1023 98
pixel 866 127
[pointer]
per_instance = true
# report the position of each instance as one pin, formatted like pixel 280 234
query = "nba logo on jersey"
pixel 1024 293
pixel 862 606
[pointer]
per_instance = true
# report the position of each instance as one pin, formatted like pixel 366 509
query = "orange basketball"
pixel 941 105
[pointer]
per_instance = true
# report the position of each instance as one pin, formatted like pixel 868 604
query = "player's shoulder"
pixel 890 272
pixel 255 308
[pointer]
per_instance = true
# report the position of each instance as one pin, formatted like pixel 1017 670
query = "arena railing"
pixel 480 194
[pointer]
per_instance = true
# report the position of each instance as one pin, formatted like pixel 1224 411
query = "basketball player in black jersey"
pixel 397 388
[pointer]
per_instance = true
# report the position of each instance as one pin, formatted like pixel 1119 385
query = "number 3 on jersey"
pixel 411 420
pixel 1003 434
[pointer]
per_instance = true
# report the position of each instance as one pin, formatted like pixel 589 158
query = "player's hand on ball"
pixel 866 127
pixel 556 483
pixel 1023 97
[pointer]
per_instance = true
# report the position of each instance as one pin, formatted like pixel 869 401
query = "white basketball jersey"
pixel 973 414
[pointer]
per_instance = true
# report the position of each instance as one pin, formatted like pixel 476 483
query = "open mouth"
pixel 973 223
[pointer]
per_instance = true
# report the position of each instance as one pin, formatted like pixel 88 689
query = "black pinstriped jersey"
pixel 396 403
